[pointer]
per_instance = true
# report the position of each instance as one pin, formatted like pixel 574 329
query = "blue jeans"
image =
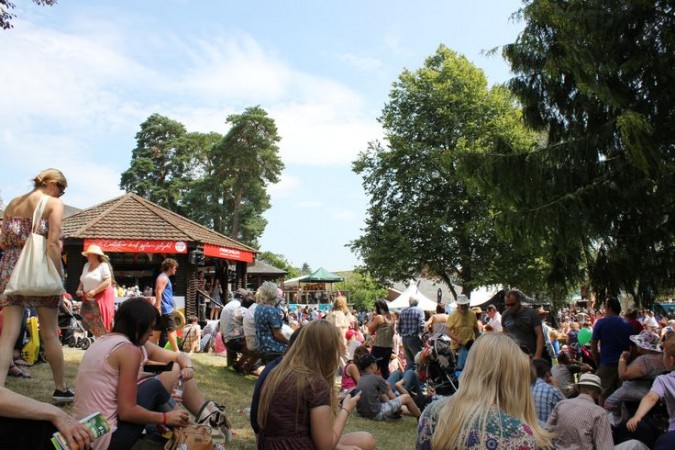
pixel 412 383
pixel 412 346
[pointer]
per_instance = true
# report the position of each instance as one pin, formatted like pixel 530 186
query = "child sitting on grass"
pixel 662 388
pixel 378 401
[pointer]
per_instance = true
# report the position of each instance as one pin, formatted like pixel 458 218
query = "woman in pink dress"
pixel 96 286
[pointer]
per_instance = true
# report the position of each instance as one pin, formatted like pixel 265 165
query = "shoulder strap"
pixel 39 209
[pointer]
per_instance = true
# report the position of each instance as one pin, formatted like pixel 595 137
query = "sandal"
pixel 14 371
pixel 19 361
pixel 212 413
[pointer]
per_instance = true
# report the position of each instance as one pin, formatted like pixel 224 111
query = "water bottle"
pixel 177 393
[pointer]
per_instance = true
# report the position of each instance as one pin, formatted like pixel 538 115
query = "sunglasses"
pixel 62 188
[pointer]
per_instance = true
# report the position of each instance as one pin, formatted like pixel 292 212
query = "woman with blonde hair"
pixel 17 224
pixel 493 407
pixel 298 407
pixel 340 315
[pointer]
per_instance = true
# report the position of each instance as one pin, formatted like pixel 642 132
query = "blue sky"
pixel 80 77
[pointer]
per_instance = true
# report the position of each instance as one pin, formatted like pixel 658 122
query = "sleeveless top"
pixel 384 335
pixel 167 296
pixel 348 382
pixel 97 383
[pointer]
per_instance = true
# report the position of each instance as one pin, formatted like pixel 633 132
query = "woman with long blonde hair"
pixel 493 407
pixel 298 404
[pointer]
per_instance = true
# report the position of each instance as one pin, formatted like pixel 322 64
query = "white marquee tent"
pixel 403 300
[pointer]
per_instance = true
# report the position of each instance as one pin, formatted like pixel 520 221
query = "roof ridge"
pixel 150 204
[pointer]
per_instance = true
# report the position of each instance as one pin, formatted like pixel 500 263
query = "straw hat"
pixel 93 249
pixel 588 379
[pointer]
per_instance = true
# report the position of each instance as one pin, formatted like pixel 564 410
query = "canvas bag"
pixel 35 273
pixel 193 437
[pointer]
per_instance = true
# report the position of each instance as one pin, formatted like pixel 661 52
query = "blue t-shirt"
pixel 614 335
pixel 266 318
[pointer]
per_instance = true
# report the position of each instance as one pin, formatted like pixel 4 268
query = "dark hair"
pixel 563 358
pixel 247 300
pixel 440 308
pixel 134 318
pixel 381 306
pixel 541 366
pixel 168 263
pixel 614 305
pixel 516 293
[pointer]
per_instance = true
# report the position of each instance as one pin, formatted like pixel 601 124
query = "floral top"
pixel 503 431
pixel 266 318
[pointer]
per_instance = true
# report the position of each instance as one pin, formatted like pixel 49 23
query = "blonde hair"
pixel 497 375
pixel 316 350
pixel 49 175
pixel 340 304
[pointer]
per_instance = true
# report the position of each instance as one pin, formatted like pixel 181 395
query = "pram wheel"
pixel 86 342
pixel 72 341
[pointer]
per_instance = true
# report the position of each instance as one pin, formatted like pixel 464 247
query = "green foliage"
pixel 597 78
pixel 361 289
pixel 425 213
pixel 305 269
pixel 218 181
pixel 6 16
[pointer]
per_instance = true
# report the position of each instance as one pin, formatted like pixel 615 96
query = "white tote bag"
pixel 35 273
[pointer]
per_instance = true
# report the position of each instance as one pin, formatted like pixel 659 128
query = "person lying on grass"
pixel 378 401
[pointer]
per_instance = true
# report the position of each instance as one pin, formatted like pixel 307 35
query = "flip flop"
pixel 14 371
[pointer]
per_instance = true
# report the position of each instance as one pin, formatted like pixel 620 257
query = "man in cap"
pixel 410 325
pixel 462 324
pixel 523 324
pixel 581 424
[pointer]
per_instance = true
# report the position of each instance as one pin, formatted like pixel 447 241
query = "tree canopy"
pixel 596 77
pixel 424 216
pixel 218 181
pixel 6 16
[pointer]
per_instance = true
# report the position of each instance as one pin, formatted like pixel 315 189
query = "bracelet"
pixel 348 411
pixel 163 418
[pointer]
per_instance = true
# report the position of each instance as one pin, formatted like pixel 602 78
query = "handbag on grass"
pixel 35 273
pixel 192 437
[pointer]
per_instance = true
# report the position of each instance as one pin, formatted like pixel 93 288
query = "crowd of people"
pixel 586 378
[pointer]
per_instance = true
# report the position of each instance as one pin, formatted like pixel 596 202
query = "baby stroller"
pixel 437 365
pixel 72 330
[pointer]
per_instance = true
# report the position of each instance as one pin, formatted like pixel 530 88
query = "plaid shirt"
pixel 191 333
pixel 411 321
pixel 546 397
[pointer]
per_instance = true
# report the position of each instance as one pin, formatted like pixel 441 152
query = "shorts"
pixel 166 323
pixel 388 409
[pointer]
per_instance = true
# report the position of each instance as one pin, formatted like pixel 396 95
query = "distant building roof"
pixel 264 268
pixel 131 216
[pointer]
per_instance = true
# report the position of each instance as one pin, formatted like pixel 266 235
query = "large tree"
pixel 423 216
pixel 597 77
pixel 218 181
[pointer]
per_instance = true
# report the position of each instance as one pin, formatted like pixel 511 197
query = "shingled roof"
pixel 133 217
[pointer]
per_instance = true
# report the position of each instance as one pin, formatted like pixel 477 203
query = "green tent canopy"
pixel 321 275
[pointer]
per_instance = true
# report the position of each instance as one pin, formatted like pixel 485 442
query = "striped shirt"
pixel 580 424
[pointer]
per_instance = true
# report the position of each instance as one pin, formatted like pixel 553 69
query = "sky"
pixel 79 78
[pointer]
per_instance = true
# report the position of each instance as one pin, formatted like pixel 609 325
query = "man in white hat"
pixel 462 325
pixel 581 424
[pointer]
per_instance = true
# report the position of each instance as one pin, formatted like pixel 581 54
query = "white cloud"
pixel 284 188
pixel 393 43
pixel 365 63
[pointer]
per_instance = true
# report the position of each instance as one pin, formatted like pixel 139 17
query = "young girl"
pixel 298 406
pixel 111 380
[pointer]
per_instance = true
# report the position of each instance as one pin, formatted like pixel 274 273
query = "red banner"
pixel 216 251
pixel 137 246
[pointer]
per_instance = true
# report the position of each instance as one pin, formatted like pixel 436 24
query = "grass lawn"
pixel 225 387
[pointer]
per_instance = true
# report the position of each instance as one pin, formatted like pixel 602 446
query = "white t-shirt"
pixel 91 279
pixel 249 321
